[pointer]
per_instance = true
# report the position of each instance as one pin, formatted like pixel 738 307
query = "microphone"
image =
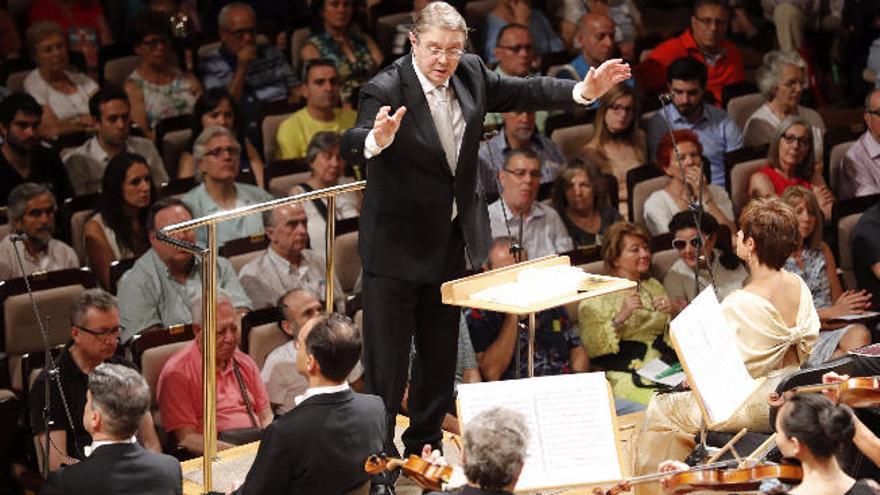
pixel 16 237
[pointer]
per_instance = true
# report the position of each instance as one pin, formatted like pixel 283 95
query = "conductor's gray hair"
pixel 440 15
pixel 495 448
pixel 770 73
pixel 122 397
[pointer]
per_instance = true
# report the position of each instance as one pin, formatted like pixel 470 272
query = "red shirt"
pixel 82 14
pixel 179 392
pixel 780 182
pixel 651 73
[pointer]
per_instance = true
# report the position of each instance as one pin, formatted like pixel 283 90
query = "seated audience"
pixel 118 230
pixel 814 262
pixel 515 52
pixel 327 168
pixel 623 330
pixel 321 113
pixel 400 41
pixel 791 162
pixel 520 12
pixel 717 131
pixel 517 214
pixel 336 36
pixel 217 107
pixel 706 251
pixel 22 158
pixel 684 188
pixel 10 41
pixel 625 14
pixel 596 39
pixel 216 153
pixel 792 18
pixel 83 22
pixel 860 170
pixel 116 403
pixel 782 80
pixel 518 133
pixel 495 335
pixel 156 291
pixel 706 41
pixel 327 412
pixel 157 88
pixel 287 263
pixel 242 403
pixel 866 242
pixel 580 196
pixel 86 164
pixel 617 143
pixel 31 212
pixel 301 309
pixel 63 94
pixel 775 326
pixel 94 336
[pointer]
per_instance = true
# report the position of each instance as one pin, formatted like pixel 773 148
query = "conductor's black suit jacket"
pixel 405 218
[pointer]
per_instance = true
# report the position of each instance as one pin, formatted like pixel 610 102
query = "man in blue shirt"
pixel 717 132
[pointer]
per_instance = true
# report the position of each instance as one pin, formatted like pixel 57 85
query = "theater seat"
pixel 260 334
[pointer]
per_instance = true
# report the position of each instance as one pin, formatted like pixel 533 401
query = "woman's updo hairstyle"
pixel 818 423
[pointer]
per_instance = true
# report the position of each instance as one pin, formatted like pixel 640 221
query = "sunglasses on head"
pixel 695 241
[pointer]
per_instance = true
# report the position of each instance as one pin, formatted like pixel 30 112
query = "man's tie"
pixel 442 113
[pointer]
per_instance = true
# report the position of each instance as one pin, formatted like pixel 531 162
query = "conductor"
pixel 418 129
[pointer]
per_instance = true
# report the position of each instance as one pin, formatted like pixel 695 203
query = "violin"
pixel 719 477
pixel 428 476
pixel 860 391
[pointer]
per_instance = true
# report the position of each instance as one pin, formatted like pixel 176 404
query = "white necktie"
pixel 442 113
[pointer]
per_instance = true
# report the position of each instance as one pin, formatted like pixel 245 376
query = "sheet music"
pixel 709 350
pixel 572 439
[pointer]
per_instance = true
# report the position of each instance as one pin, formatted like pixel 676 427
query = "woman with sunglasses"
pixel 157 89
pixel 118 229
pixel 815 264
pixel 791 162
pixel 708 252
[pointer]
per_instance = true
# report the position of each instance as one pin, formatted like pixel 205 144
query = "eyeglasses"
pixel 623 108
pixel 101 333
pixel 154 42
pixel 218 152
pixel 801 141
pixel 533 174
pixel 710 22
pixel 875 113
pixel 695 242
pixel 451 53
pixel 38 212
pixel 517 48
pixel 241 33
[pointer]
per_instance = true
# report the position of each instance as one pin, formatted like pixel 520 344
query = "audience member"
pixel 217 107
pixel 327 412
pixel 156 291
pixel 116 403
pixel 782 80
pixel 216 153
pixel 860 170
pixel 327 168
pixel 81 21
pixel 118 230
pixel 287 263
pixel 301 310
pixel 337 37
pixel 10 41
pixel 706 251
pixel 22 158
pixel 683 189
pixel 64 94
pixel 157 88
pixel 31 212
pixel 625 14
pixel 814 263
pixel 242 403
pixel 618 143
pixel 321 113
pixel 517 213
pixel 866 243
pixel 623 330
pixel 518 133
pixel 86 164
pixel 94 336
pixel 717 131
pixel 515 52
pixel 520 12
pixel 497 336
pixel 706 41
pixel 596 39
pixel 791 161
pixel 580 196
pixel 792 18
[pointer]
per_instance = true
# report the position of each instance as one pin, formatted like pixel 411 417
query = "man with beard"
pixel 519 133
pixel 32 213
pixel 717 131
pixel 22 159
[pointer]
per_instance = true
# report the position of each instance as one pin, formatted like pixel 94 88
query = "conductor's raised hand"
pixel 385 126
pixel 606 76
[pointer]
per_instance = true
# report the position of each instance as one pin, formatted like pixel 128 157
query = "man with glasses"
pixel 94 336
pixel 705 40
pixel 860 169
pixel 112 113
pixel 31 211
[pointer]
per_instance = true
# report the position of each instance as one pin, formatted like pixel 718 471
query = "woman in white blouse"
pixel 64 94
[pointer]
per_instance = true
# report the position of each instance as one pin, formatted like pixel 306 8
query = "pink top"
pixel 179 392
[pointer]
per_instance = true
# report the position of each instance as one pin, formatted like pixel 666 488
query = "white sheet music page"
pixel 572 437
pixel 709 351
